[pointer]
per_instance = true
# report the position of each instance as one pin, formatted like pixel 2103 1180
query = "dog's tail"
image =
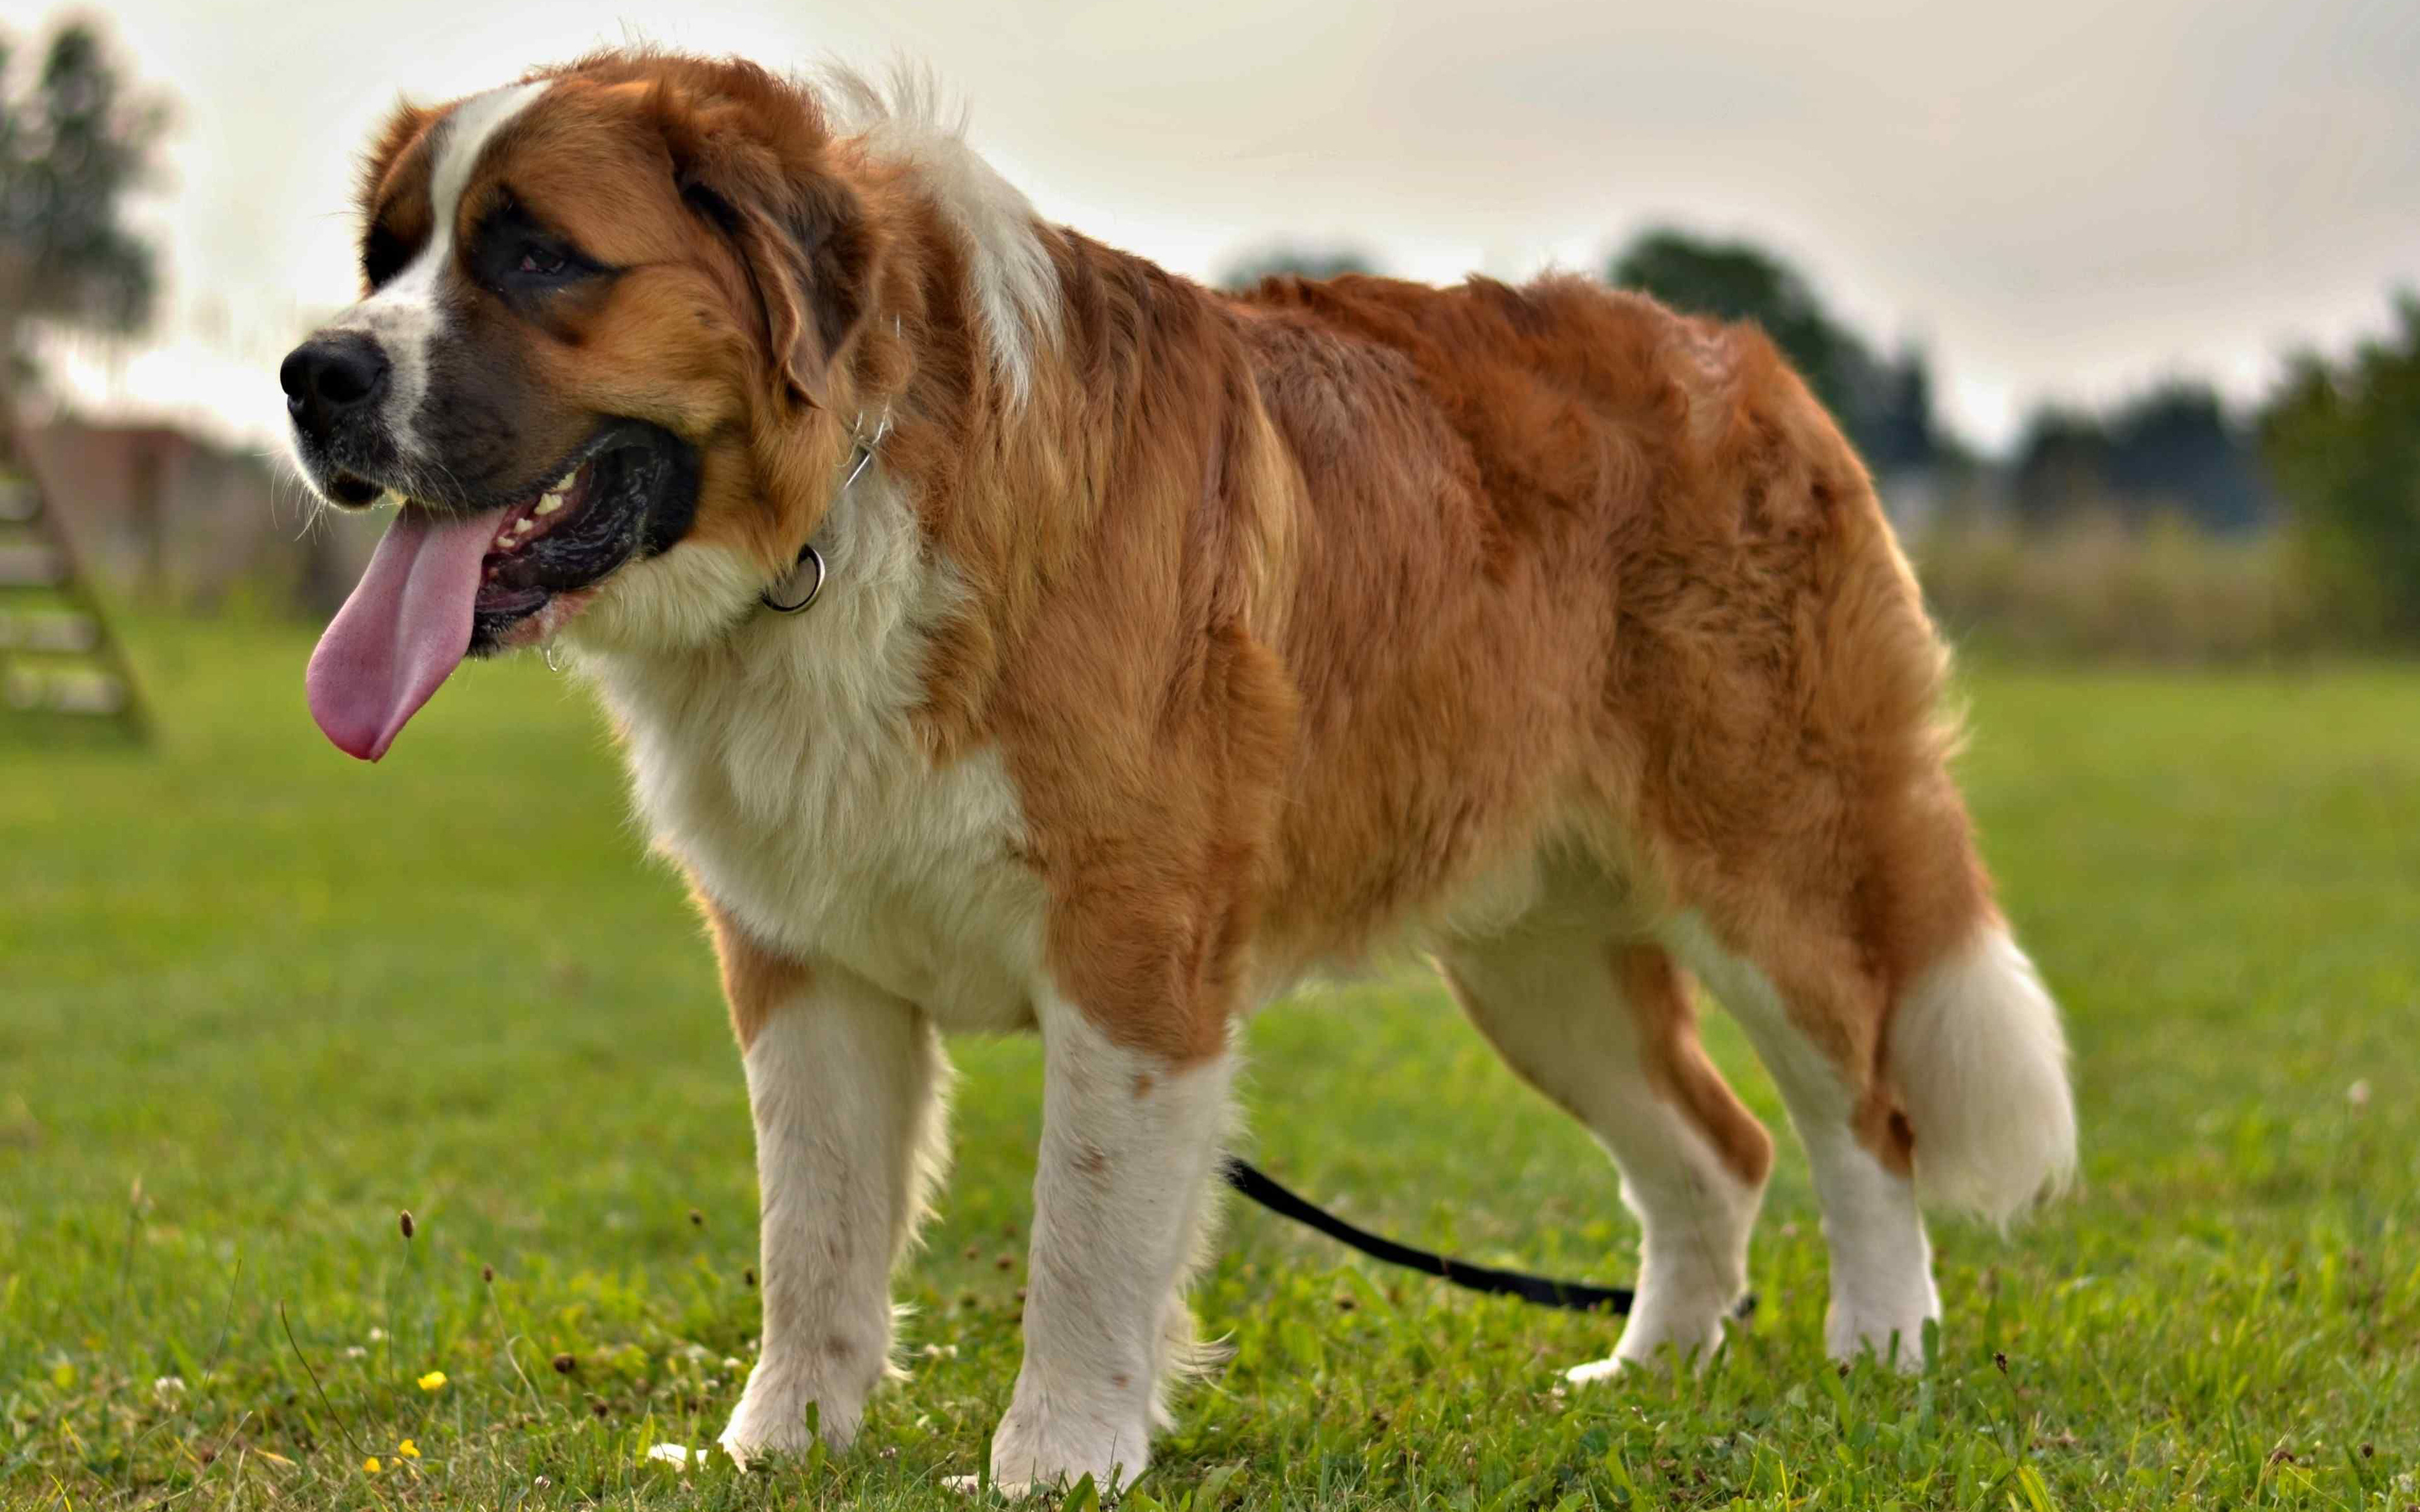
pixel 1981 1065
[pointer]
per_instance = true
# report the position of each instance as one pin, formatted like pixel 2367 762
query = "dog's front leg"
pixel 846 1084
pixel 1129 1140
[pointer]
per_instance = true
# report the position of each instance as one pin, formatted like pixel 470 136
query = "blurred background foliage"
pixel 2342 442
pixel 75 142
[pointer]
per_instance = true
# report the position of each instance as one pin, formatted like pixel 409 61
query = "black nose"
pixel 329 377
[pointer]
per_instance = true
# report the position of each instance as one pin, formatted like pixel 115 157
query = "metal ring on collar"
pixel 806 554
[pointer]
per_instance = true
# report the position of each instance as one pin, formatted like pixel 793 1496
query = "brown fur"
pixel 756 981
pixel 1657 992
pixel 1297 614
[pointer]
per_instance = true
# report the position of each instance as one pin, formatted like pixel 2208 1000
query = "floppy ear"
pixel 800 235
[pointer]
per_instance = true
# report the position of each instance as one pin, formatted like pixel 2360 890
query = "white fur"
pixel 781 764
pixel 847 1084
pixel 1016 288
pixel 1881 1264
pixel 1545 992
pixel 407 316
pixel 1981 1063
pixel 1119 1190
pixel 682 600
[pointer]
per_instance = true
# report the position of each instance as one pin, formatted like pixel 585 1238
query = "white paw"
pixel 772 1418
pixel 1052 1454
pixel 1657 1336
pixel 1896 1341
pixel 1018 1490
pixel 1662 1356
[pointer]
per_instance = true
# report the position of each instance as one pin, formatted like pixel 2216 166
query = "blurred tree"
pixel 1886 407
pixel 2178 445
pixel 2062 461
pixel 1892 417
pixel 2343 443
pixel 2174 448
pixel 1735 280
pixel 1310 262
pixel 73 142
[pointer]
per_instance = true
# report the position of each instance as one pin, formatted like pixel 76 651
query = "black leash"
pixel 1572 1296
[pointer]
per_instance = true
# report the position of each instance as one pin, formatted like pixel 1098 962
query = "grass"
pixel 255 1000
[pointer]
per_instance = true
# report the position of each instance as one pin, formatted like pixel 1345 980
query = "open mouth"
pixel 629 493
pixel 451 580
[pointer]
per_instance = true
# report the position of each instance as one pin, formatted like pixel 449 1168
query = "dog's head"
pixel 598 363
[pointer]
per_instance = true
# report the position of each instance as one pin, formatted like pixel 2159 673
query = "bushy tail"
pixel 1980 1064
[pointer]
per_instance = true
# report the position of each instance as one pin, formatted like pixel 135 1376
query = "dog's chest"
pixel 791 780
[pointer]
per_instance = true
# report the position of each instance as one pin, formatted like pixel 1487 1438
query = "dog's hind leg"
pixel 1913 1043
pixel 1813 1029
pixel 1953 1086
pixel 1602 1024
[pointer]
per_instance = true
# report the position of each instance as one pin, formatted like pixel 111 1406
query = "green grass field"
pixel 255 999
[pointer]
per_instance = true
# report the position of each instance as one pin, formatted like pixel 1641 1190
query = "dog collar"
pixel 858 461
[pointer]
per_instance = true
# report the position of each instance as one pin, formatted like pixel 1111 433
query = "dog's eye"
pixel 383 255
pixel 518 257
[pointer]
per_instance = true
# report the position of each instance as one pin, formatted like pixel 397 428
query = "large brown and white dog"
pixel 1175 643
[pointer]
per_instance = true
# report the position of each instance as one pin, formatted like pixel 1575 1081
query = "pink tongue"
pixel 406 626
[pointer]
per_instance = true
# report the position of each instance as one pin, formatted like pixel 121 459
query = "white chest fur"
pixel 782 767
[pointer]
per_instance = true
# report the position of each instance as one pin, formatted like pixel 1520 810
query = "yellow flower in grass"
pixel 434 1380
pixel 406 1450
pixel 371 1464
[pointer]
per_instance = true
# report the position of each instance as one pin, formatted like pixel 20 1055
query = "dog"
pixel 1162 646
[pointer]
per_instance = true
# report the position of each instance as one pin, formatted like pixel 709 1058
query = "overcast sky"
pixel 2057 198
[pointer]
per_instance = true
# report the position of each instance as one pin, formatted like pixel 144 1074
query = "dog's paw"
pixel 1018 1490
pixel 1596 1370
pixel 751 1437
pixel 972 1487
pixel 771 1420
pixel 1036 1455
pixel 1654 1349
pixel 1897 1339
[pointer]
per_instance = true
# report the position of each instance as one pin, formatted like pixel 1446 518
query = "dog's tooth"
pixel 548 504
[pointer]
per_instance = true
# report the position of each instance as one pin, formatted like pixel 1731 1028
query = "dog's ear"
pixel 800 234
